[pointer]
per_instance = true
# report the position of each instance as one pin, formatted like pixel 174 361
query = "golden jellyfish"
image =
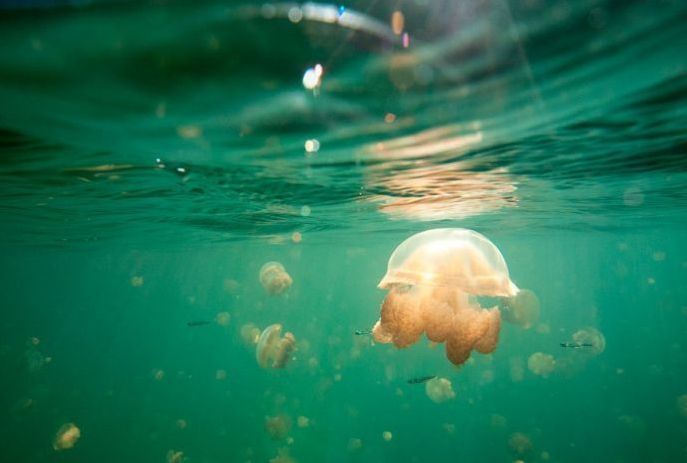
pixel 223 318
pixel 433 279
pixel 522 309
pixel 274 351
pixel 282 457
pixel 520 443
pixel 278 427
pixel 541 364
pixel 274 278
pixel 591 337
pixel 250 334
pixel 66 437
pixel 176 456
pixel 439 390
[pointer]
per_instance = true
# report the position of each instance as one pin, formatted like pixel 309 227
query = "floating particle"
pixel 66 437
pixel 387 436
pixel 313 77
pixel 136 281
pixel 312 146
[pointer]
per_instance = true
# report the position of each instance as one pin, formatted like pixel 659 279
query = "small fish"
pixel 198 323
pixel 576 345
pixel 362 332
pixel 420 380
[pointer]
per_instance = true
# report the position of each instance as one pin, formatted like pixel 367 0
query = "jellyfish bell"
pixel 592 337
pixel 541 364
pixel 433 280
pixel 278 427
pixel 273 350
pixel 439 390
pixel 522 309
pixel 274 278
pixel 67 436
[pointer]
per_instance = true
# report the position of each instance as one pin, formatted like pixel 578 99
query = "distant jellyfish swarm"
pixel 523 309
pixel 274 278
pixel 432 280
pixel 439 390
pixel 274 351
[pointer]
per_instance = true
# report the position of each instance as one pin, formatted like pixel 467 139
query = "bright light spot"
pixel 312 77
pixel 312 145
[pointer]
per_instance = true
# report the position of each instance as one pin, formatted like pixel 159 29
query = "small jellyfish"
pixel 66 437
pixel 541 364
pixel 592 337
pixel 278 427
pixel 520 443
pixel 283 456
pixel 274 351
pixel 176 456
pixel 303 421
pixel 682 405
pixel 522 309
pixel 250 334
pixel 223 318
pixel 387 436
pixel 439 390
pixel 432 280
pixel 274 278
pixel 354 444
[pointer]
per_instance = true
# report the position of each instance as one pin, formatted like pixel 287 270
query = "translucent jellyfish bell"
pixel 455 257
pixel 274 351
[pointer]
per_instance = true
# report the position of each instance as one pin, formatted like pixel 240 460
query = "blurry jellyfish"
pixel 136 281
pixel 282 456
pixel 387 436
pixel 223 318
pixel 272 350
pixel 303 421
pixel 66 437
pixel 181 423
pixel 520 443
pixel 541 364
pixel 354 444
pixel 591 336
pixel 439 390
pixel 521 309
pixel 176 456
pixel 498 421
pixel 682 405
pixel 250 334
pixel 221 375
pixel 517 370
pixel 278 427
pixel 449 428
pixel 432 279
pixel 274 278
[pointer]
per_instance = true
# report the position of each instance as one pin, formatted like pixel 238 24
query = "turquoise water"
pixel 155 155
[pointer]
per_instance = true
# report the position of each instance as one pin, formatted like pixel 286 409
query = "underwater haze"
pixel 177 178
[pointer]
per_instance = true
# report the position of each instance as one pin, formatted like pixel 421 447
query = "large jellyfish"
pixel 274 351
pixel 433 279
pixel 274 278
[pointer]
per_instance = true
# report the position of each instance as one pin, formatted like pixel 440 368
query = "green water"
pixel 152 159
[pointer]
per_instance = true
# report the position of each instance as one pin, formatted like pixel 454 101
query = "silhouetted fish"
pixel 576 345
pixel 421 379
pixel 198 323
pixel 362 332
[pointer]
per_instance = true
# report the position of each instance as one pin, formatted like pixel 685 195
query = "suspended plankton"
pixel 274 351
pixel 522 309
pixel 274 278
pixel 439 390
pixel 432 280
pixel 66 437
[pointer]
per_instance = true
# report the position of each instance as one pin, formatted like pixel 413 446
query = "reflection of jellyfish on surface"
pixel 590 336
pixel 541 364
pixel 66 437
pixel 278 427
pixel 274 278
pixel 521 309
pixel 439 390
pixel 272 350
pixel 432 279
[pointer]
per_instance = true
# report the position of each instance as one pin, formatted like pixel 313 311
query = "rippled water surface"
pixel 154 155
